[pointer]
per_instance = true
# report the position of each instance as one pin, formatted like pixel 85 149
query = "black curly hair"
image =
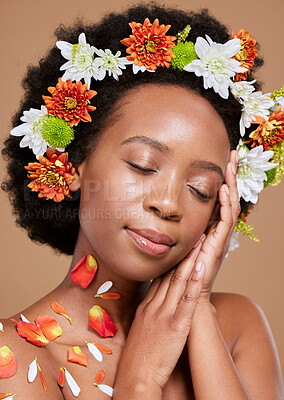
pixel 57 224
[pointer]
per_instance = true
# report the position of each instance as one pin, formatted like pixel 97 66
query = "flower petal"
pixel 104 287
pixel 59 309
pixel 31 332
pixel 84 271
pixel 8 363
pixel 106 389
pixel 32 373
pixel 49 326
pixel 72 384
pixel 61 377
pixel 1 327
pixel 76 355
pixel 7 396
pixel 99 377
pixel 101 322
pixel 109 296
pixel 43 382
pixel 95 351
pixel 103 349
pixel 23 318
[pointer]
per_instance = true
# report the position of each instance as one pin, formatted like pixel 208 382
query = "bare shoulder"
pixel 25 353
pixel 245 328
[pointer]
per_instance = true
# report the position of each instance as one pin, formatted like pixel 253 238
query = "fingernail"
pixel 233 169
pixel 227 189
pixel 202 238
pixel 198 267
pixel 196 244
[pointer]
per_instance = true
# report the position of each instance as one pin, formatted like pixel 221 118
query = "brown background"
pixel 29 271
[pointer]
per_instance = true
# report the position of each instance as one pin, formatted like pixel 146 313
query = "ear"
pixel 76 183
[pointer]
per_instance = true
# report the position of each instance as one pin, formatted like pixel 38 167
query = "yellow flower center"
pixel 151 46
pixel 70 102
pixel 242 54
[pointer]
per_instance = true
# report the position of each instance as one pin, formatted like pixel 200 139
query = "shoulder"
pixel 244 326
pixel 23 353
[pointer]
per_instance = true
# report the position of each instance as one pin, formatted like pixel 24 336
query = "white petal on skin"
pixel 10 397
pixel 104 287
pixel 1 327
pixel 23 318
pixel 32 371
pixel 95 352
pixel 72 384
pixel 106 389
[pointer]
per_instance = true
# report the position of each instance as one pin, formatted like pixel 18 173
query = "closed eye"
pixel 202 196
pixel 142 169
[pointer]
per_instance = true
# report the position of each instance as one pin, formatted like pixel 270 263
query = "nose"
pixel 164 201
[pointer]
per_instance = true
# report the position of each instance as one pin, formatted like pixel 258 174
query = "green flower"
pixel 246 230
pixel 184 55
pixel 56 131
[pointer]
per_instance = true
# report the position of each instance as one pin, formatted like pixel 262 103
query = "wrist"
pixel 139 388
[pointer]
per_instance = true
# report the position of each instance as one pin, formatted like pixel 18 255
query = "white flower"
pixel 215 64
pixel 250 175
pixel 107 62
pixel 280 101
pixel 81 62
pixel 256 104
pixel 31 130
pixel 136 68
pixel 242 90
pixel 234 243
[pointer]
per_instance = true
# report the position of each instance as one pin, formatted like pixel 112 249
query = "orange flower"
pixel 270 132
pixel 8 363
pixel 61 377
pixel 101 322
pixel 70 101
pixel 84 271
pixel 59 309
pixel 148 45
pixel 31 332
pixel 49 326
pixel 76 355
pixel 51 176
pixel 246 55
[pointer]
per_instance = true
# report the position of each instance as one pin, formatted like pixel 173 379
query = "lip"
pixel 150 241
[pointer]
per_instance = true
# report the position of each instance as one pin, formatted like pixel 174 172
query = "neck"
pixel 82 299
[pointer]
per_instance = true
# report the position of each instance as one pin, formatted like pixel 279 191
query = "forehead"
pixel 179 118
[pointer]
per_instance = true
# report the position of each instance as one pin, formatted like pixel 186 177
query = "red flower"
pixel 101 322
pixel 148 45
pixel 70 101
pixel 270 132
pixel 51 176
pixel 246 55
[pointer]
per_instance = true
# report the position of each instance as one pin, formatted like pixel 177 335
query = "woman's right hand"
pixel 159 330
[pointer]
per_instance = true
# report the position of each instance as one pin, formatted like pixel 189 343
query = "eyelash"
pixel 202 196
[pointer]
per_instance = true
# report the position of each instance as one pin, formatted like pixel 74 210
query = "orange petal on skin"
pixel 76 355
pixel 49 326
pixel 110 295
pixel 42 378
pixel 31 332
pixel 7 396
pixel 101 322
pixel 99 377
pixel 59 309
pixel 8 363
pixel 103 349
pixel 84 271
pixel 61 377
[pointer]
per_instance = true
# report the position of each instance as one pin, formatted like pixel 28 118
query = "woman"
pixel 154 205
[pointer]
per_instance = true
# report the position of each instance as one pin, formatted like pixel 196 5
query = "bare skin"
pixel 173 333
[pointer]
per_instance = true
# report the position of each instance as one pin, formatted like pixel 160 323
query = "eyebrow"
pixel 164 149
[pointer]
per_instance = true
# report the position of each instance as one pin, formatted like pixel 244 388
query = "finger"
pixel 231 181
pixel 189 299
pixel 180 277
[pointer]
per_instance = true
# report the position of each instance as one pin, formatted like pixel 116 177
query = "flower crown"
pixel 224 68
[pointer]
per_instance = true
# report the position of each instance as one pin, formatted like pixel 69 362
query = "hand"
pixel 216 244
pixel 161 326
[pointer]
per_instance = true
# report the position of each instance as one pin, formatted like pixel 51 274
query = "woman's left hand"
pixel 216 244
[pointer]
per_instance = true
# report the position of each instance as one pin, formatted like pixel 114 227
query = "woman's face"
pixel 149 188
